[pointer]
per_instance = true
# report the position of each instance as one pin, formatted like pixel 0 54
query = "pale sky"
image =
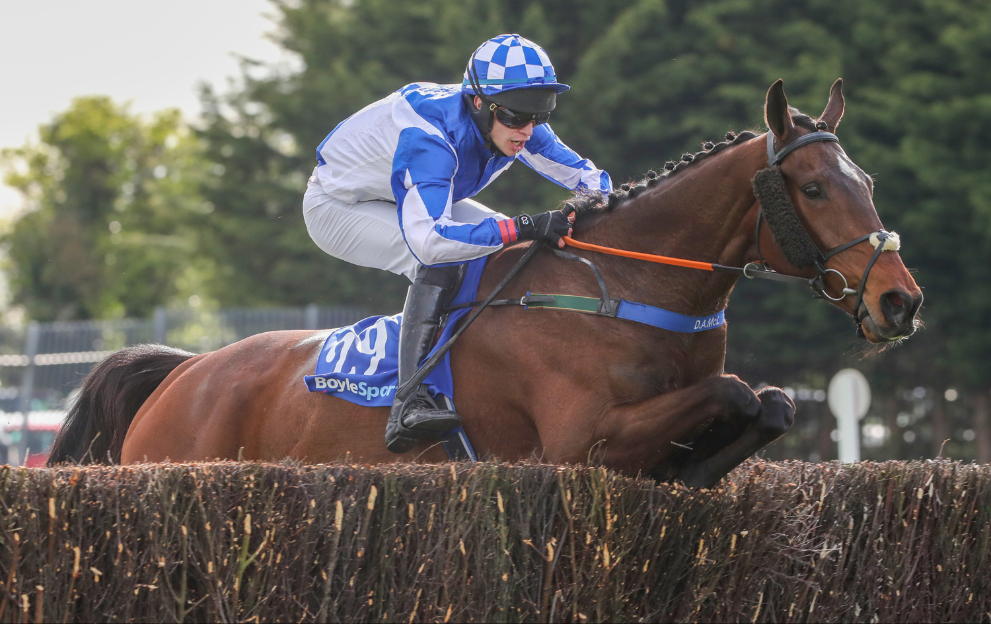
pixel 152 54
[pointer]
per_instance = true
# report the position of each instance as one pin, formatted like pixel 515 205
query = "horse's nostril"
pixel 897 307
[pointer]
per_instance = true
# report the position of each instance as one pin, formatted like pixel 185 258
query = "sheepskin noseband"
pixel 789 233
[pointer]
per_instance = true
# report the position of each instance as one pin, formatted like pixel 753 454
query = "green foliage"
pixel 924 125
pixel 111 198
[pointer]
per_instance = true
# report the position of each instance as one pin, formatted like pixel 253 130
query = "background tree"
pixel 112 199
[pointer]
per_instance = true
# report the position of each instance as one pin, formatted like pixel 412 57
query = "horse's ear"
pixel 776 113
pixel 835 106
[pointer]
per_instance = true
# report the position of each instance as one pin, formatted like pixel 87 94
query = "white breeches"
pixel 368 233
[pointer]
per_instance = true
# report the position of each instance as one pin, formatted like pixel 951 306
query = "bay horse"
pixel 551 385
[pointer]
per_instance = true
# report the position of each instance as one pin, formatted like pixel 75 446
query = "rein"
pixel 750 271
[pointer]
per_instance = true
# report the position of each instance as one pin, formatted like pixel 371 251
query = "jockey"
pixel 392 185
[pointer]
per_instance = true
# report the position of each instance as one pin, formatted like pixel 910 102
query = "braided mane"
pixel 588 205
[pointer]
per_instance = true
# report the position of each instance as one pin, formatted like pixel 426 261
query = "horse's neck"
pixel 704 213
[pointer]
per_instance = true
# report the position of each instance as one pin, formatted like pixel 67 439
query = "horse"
pixel 552 385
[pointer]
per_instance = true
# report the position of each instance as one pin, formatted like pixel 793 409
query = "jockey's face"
pixel 509 141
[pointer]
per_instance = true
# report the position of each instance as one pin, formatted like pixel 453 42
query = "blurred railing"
pixel 41 365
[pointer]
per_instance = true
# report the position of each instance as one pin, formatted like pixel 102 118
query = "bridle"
pixel 882 240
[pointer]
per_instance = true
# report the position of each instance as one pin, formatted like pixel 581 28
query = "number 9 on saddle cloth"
pixel 359 363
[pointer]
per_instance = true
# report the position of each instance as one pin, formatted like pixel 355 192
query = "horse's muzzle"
pixel 898 310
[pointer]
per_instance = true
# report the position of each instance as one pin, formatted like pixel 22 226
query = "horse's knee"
pixel 723 450
pixel 777 413
pixel 736 399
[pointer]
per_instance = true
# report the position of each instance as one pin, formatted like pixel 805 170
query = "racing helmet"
pixel 513 72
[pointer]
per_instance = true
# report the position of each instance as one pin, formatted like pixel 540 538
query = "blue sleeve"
pixel 422 172
pixel 548 156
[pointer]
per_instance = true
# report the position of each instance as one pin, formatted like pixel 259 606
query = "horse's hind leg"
pixel 776 416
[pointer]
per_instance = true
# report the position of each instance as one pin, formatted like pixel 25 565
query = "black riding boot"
pixel 419 418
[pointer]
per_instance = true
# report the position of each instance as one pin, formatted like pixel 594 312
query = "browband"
pixel 775 158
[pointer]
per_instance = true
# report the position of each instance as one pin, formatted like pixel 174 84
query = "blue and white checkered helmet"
pixel 510 62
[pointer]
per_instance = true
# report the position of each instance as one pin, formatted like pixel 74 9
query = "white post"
pixel 849 443
pixel 849 398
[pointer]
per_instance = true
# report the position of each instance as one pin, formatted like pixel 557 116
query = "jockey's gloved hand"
pixel 547 227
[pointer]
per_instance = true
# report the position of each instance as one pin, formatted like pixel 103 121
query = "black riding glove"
pixel 546 227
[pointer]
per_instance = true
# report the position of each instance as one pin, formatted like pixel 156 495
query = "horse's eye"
pixel 812 191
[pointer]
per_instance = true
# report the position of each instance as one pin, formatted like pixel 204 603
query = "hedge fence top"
pixel 494 542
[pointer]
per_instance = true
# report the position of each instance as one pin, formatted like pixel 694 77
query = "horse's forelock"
pixel 802 120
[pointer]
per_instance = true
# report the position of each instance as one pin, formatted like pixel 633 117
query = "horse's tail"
pixel 110 396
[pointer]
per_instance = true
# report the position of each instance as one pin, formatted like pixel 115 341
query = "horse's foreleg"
pixel 777 413
pixel 640 437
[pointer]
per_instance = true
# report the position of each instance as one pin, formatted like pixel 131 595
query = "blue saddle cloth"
pixel 359 363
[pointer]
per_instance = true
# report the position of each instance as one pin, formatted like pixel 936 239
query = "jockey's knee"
pixel 443 277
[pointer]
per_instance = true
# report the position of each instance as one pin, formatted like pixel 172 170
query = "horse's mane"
pixel 589 205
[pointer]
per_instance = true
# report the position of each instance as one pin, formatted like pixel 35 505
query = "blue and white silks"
pixel 420 149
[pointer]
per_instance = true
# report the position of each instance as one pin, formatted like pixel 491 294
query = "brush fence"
pixel 493 542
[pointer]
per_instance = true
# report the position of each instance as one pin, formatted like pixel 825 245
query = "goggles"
pixel 514 120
